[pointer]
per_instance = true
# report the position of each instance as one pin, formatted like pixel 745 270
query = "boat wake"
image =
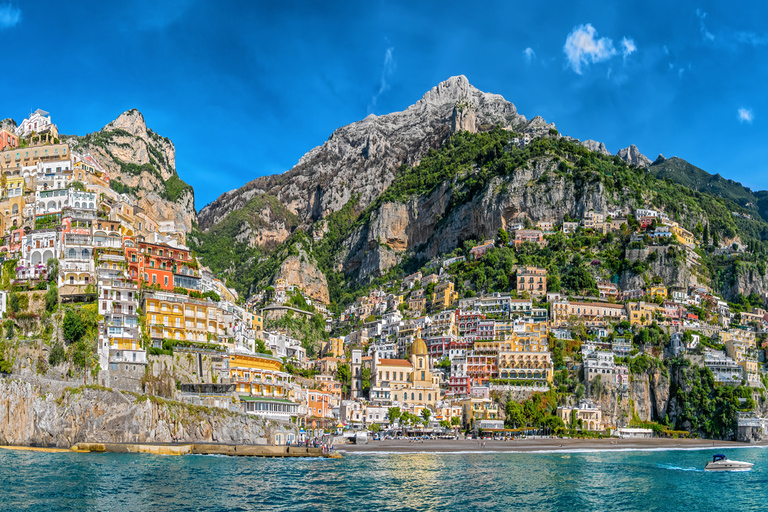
pixel 678 468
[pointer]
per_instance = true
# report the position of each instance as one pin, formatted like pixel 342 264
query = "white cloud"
pixel 666 50
pixel 751 38
pixel 702 27
pixel 9 16
pixel 628 47
pixel 386 71
pixel 745 115
pixel 583 47
pixel 529 55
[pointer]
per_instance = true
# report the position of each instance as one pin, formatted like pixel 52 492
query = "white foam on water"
pixel 544 451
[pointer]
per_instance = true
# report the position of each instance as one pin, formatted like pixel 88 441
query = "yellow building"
pixel 740 345
pixel 334 347
pixel 14 186
pixel 12 213
pixel 259 375
pixel 641 313
pixel 444 295
pixel 409 383
pixel 586 411
pixel 476 409
pixel 177 317
pixel 258 324
pixel 264 389
pixel 683 235
pixel 658 291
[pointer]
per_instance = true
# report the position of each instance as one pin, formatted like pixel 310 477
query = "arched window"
pixel 419 396
pixel 412 396
pixel 429 397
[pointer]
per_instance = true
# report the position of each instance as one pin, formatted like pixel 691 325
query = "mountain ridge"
pixel 362 157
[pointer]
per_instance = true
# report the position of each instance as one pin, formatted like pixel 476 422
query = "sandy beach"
pixel 537 444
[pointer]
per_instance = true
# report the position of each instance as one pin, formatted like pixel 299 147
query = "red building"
pixel 8 140
pixel 481 368
pixel 162 265
pixel 468 321
pixel 459 385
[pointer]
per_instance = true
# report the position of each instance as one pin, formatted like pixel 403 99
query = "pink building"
pixel 480 250
pixel 529 235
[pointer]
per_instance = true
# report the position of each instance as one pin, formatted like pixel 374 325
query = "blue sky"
pixel 246 88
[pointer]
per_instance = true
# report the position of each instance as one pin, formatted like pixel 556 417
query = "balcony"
pixel 112 257
pixel 77 240
pixel 128 356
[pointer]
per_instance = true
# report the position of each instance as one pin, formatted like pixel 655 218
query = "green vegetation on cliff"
pixel 466 166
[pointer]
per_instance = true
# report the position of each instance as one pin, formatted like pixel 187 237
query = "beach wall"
pixel 36 411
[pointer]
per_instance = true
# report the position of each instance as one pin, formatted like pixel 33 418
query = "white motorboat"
pixel 722 463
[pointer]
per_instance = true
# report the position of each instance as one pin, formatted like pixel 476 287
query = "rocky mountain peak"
pixel 597 147
pixel 143 163
pixel 132 121
pixel 8 124
pixel 633 156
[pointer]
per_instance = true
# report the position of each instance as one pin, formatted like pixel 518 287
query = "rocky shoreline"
pixel 35 411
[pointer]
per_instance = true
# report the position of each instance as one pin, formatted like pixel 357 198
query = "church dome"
pixel 419 348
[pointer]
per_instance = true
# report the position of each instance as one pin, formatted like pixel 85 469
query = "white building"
pixel 119 338
pixel 39 246
pixel 38 121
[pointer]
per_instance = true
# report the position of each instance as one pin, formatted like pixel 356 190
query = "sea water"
pixel 666 480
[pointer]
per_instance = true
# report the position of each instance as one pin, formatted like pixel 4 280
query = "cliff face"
pixel 672 269
pixel 423 225
pixel 362 158
pixel 50 415
pixel 301 271
pixel 746 280
pixel 144 163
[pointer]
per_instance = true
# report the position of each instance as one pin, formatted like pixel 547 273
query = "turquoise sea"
pixel 666 480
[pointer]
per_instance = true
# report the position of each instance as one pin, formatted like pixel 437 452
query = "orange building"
pixel 162 265
pixel 8 140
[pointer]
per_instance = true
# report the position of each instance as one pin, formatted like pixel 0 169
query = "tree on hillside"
pixel 73 327
pixel 502 238
pixel 344 375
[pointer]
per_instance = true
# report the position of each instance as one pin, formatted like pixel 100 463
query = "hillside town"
pixel 413 356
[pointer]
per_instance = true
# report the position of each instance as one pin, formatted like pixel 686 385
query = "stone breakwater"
pixel 39 412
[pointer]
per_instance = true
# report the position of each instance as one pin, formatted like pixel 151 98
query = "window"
pixel 154 278
pixel 166 280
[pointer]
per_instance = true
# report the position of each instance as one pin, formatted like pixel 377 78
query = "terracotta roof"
pixel 394 362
